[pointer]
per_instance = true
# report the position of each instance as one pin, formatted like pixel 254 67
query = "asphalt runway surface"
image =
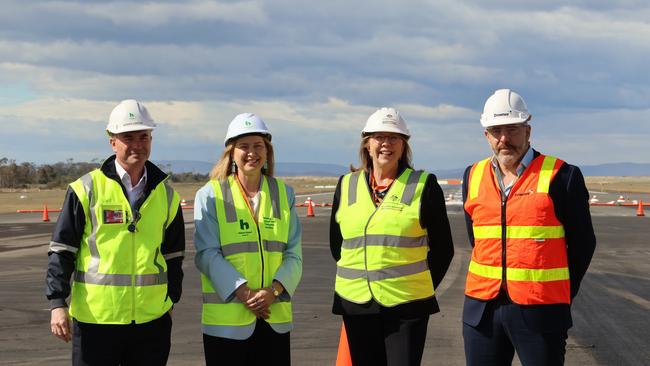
pixel 611 314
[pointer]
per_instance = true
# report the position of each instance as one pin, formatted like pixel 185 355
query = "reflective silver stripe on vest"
pixel 383 274
pixel 352 188
pixel 155 261
pixel 251 247
pixel 169 256
pixel 120 279
pixel 60 247
pixel 237 248
pixel 228 202
pixel 385 241
pixel 275 196
pixel 87 182
pixel 274 246
pixel 411 184
pixel 151 279
pixel 213 298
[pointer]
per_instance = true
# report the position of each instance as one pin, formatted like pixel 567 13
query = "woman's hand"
pixel 260 301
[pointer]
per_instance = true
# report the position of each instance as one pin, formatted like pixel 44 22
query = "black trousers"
pixel 128 344
pixel 503 330
pixel 390 340
pixel 264 347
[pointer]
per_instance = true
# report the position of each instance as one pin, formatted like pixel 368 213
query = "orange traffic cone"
pixel 639 210
pixel 310 207
pixel 343 357
pixel 46 214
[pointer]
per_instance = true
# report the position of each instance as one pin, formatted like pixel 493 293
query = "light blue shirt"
pixel 525 162
pixel 224 277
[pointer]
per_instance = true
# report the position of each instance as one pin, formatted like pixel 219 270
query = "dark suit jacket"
pixel 571 200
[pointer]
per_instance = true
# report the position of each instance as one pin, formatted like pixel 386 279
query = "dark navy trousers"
pixel 503 330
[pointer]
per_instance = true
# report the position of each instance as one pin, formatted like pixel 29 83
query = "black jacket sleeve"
pixel 336 238
pixel 433 217
pixel 65 243
pixel 571 200
pixel 468 218
pixel 173 250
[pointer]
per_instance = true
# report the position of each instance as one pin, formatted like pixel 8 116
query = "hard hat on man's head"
pixel 130 115
pixel 246 124
pixel 504 107
pixel 386 120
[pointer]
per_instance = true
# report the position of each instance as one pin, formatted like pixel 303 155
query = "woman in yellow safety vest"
pixel 390 236
pixel 248 249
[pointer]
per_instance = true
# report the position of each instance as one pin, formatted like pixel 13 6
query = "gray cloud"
pixel 310 66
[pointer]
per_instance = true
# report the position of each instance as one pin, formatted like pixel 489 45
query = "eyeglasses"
pixel 508 130
pixel 385 138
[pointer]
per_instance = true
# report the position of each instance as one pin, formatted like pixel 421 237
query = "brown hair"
pixel 365 161
pixel 223 168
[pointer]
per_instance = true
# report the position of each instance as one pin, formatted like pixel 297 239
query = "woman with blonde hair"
pixel 390 236
pixel 248 250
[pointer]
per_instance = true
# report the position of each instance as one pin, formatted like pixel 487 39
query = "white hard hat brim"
pixel 385 129
pixel 485 122
pixel 131 128
pixel 248 133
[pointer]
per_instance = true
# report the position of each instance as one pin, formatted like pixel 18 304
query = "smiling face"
pixel 385 149
pixel 249 154
pixel 132 149
pixel 509 143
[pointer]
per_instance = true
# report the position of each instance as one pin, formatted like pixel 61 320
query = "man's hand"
pixel 60 324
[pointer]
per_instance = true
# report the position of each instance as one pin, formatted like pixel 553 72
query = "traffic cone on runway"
pixel 310 207
pixel 343 357
pixel 46 214
pixel 639 210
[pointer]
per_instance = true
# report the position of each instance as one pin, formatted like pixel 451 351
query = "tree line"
pixel 59 175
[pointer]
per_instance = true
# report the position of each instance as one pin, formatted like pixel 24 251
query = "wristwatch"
pixel 274 290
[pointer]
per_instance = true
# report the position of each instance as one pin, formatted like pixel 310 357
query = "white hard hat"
pixel 245 124
pixel 504 107
pixel 386 120
pixel 129 115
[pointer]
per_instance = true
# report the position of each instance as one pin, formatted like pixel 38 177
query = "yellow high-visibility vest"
pixel 121 276
pixel 254 247
pixel 384 249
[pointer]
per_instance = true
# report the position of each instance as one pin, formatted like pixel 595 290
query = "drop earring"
pixel 233 166
pixel 266 166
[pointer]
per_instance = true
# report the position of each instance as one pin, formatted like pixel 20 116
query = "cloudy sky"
pixel 316 70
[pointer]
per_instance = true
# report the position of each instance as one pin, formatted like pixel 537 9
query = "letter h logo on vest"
pixel 243 225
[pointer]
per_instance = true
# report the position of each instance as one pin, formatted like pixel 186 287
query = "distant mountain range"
pixel 327 170
pixel 281 169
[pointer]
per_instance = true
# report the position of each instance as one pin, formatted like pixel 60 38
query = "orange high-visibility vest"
pixel 519 240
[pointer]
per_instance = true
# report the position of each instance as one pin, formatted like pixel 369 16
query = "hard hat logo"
pixel 131 116
pixel 248 123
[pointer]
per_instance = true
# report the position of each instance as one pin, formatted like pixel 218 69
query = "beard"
pixel 512 156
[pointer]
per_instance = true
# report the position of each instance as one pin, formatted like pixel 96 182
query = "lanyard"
pixel 378 191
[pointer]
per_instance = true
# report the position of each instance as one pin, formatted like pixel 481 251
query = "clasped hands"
pixel 257 301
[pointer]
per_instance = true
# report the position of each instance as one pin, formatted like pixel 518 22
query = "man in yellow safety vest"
pixel 120 237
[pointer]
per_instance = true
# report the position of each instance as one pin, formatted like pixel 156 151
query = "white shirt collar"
pixel 126 178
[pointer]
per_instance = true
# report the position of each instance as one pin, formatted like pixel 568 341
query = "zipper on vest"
pixel 504 284
pixel 259 244
pixel 133 254
pixel 365 250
